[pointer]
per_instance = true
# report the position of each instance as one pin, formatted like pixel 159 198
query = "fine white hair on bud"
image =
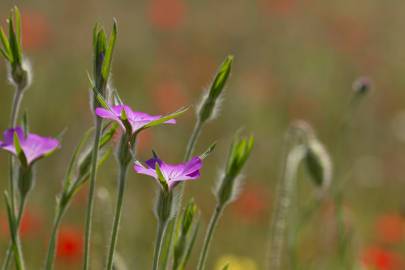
pixel 216 108
pixel 20 76
pixel 227 190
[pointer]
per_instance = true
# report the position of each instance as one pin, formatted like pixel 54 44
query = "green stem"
pixel 193 140
pixel 52 242
pixel 10 248
pixel 158 244
pixel 167 248
pixel 208 237
pixel 117 216
pixel 16 244
pixel 90 203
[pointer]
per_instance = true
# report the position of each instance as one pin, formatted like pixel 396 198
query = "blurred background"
pixel 294 59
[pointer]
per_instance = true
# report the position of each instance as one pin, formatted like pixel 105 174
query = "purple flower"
pixel 137 120
pixel 33 146
pixel 172 173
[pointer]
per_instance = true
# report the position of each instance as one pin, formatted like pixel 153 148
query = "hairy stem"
pixel 208 236
pixel 158 244
pixel 282 206
pixel 117 215
pixel 90 203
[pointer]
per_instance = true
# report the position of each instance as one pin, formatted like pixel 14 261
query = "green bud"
pixel 318 163
pixel 239 153
pixel 166 206
pixel 210 102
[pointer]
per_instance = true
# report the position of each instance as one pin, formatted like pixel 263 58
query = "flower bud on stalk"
pixel 19 68
pixel 211 101
pixel 228 186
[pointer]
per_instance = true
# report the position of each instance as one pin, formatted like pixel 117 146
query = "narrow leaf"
pixel 106 68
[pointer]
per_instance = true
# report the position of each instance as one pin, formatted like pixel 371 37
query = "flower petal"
pixel 139 168
pixel 9 135
pixel 35 147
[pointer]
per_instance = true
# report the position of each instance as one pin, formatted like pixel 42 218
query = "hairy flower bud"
pixel 211 100
pixel 25 180
pixel 227 188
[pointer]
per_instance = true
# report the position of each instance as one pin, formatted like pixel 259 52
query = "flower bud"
pixel 211 100
pixel 166 206
pixel 227 189
pixel 318 163
pixel 362 85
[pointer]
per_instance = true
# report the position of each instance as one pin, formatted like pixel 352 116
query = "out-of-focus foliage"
pixel 293 59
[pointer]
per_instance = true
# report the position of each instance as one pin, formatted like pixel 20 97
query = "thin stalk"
pixel 16 246
pixel 18 94
pixel 10 249
pixel 282 206
pixel 117 216
pixel 90 202
pixel 52 242
pixel 158 244
pixel 193 140
pixel 169 236
pixel 208 236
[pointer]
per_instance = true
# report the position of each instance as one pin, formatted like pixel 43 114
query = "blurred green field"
pixel 293 60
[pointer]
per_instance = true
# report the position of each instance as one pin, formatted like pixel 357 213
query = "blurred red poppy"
pixel 168 96
pixel 390 228
pixel 252 204
pixel 30 224
pixel 36 30
pixel 381 259
pixel 70 244
pixel 166 14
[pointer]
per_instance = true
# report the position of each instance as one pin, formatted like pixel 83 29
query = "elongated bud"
pixel 227 189
pixel 19 68
pixel 103 52
pixel 318 163
pixel 211 100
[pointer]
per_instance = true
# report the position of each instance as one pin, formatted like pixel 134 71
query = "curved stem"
pixel 282 206
pixel 52 242
pixel 158 244
pixel 90 202
pixel 208 237
pixel 117 216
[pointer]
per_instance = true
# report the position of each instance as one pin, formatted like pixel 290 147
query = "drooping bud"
pixel 227 189
pixel 211 100
pixel 20 73
pixel 318 163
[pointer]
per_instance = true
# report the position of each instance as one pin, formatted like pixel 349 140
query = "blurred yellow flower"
pixel 235 263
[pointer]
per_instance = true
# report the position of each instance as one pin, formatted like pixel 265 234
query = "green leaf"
pixel 221 77
pixel 73 159
pixel 6 45
pixel 207 152
pixel 20 153
pixel 108 135
pixel 101 99
pixel 164 119
pixel 161 178
pixel 24 124
pixel 17 18
pixel 226 267
pixel 14 44
pixel 106 68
